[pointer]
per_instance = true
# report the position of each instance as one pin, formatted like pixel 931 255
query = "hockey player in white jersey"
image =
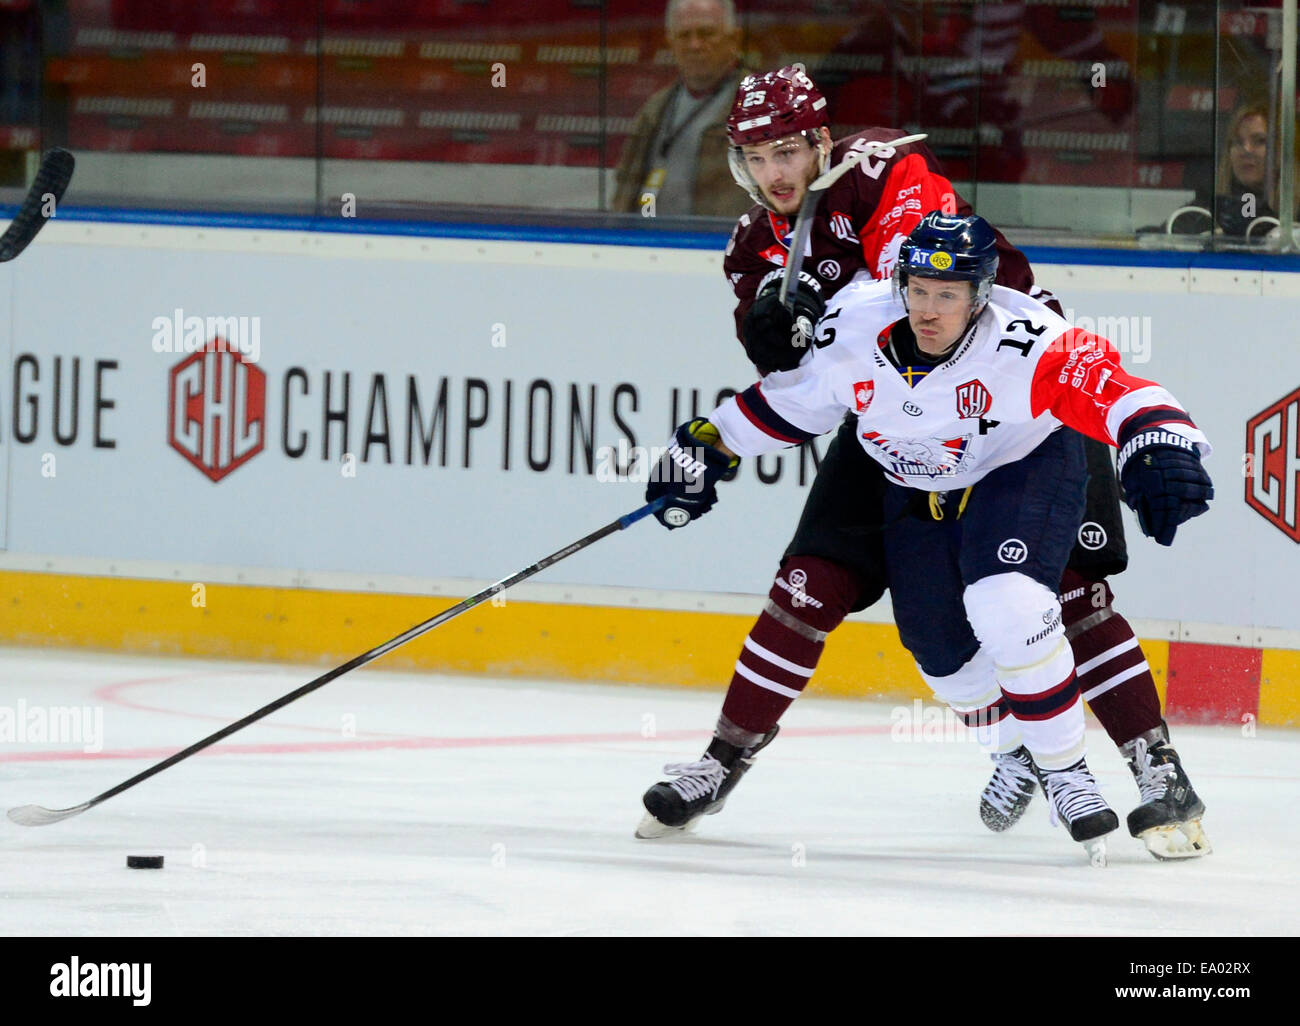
pixel 961 388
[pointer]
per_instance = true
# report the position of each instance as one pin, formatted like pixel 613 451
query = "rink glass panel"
pixel 1252 167
pixel 1072 123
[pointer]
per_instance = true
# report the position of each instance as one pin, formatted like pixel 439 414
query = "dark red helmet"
pixel 774 105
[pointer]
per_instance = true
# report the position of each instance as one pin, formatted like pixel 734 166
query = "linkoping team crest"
pixel 921 457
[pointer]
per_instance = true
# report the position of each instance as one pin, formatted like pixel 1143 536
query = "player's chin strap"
pixel 937 500
pixel 977 310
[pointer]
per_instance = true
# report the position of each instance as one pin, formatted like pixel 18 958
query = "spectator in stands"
pixel 1244 189
pixel 1242 192
pixel 675 160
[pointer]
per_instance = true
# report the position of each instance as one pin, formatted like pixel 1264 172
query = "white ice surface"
pixel 478 806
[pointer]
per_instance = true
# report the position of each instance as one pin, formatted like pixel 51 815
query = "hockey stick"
pixel 36 815
pixel 47 189
pixel 803 221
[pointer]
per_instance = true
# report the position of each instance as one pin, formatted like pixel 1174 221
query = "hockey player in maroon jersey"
pixel 781 141
pixel 962 392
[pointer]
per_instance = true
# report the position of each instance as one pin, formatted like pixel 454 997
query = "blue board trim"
pixel 704 240
pixel 425 229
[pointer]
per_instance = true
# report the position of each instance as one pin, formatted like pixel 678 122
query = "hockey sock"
pixel 1113 673
pixel 809 598
pixel 1044 699
pixel 1018 621
pixel 973 694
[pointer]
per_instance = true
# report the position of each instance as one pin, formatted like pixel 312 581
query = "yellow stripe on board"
pixel 525 639
pixel 528 639
pixel 1157 653
pixel 1279 687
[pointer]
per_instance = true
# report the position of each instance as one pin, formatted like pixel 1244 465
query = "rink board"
pixel 453 408
pixel 1197 682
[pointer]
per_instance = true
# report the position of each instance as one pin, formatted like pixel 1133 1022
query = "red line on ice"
pixel 381 744
pixel 110 693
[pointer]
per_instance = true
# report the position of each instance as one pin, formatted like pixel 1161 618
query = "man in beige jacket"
pixel 675 160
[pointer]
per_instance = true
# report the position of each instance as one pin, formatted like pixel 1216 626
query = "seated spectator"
pixel 1243 190
pixel 675 160
pixel 1242 193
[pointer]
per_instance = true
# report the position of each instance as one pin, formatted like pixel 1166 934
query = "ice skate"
pixel 701 788
pixel 1010 789
pixel 1168 821
pixel 1077 801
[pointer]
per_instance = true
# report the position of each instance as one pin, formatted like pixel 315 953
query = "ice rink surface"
pixel 404 804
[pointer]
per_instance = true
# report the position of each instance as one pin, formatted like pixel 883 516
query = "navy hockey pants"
pixel 1022 517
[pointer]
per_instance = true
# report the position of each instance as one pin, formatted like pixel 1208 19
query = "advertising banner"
pixel 464 412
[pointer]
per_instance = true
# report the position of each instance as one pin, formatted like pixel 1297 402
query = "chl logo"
pixel 216 409
pixel 973 399
pixel 1273 464
pixel 1013 551
pixel 1092 536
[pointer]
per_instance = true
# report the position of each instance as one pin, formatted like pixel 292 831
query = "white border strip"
pixel 671 260
pixel 356 246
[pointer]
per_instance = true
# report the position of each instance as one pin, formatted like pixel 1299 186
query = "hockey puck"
pixel 144 862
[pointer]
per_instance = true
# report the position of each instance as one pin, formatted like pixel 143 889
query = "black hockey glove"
pixel 688 472
pixel 1164 482
pixel 776 339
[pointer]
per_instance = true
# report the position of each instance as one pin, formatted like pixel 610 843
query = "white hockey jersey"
pixel 1019 373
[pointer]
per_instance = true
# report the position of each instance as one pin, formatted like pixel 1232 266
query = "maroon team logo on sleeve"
pixel 863 393
pixel 973 399
pixel 216 409
pixel 842 227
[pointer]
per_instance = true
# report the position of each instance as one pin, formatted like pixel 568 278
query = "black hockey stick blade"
pixel 35 815
pixel 38 815
pixel 47 190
